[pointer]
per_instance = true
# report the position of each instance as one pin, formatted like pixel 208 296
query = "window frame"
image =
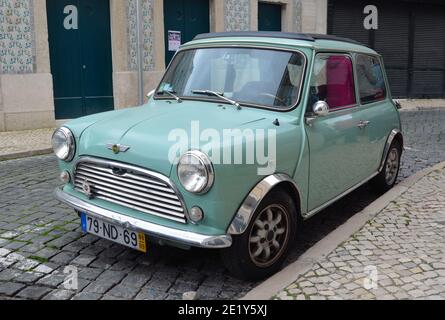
pixel 241 46
pixel 385 80
pixel 352 59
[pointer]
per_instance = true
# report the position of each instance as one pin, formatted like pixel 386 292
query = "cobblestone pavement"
pixel 400 254
pixel 40 237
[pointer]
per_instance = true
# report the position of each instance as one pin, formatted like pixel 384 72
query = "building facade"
pixel 61 59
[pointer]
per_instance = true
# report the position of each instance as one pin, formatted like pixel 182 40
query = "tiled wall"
pixel 237 15
pixel 147 30
pixel 17 45
pixel 297 16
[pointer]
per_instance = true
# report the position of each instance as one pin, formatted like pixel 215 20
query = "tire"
pixel 248 258
pixel 388 177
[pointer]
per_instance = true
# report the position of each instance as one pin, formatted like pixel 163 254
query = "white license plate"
pixel 115 233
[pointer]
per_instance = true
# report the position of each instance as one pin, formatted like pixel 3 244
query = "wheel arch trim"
pixel 253 200
pixel 395 134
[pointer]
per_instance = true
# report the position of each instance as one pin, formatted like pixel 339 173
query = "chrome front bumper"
pixel 155 230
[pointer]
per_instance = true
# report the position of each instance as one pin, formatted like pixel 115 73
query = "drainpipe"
pixel 140 51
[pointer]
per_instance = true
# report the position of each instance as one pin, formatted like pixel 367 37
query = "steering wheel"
pixel 283 103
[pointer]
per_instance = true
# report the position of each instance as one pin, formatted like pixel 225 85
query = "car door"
pixel 378 115
pixel 337 146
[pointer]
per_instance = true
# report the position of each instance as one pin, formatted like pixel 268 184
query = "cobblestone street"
pixel 39 238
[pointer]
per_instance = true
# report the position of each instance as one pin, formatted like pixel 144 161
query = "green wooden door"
pixel 80 53
pixel 183 20
pixel 269 17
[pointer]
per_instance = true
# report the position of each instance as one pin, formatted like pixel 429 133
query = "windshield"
pixel 260 77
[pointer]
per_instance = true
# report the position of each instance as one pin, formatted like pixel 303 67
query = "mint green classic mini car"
pixel 247 135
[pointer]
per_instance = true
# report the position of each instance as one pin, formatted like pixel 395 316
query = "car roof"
pixel 312 40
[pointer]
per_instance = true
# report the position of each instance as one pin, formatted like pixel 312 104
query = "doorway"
pixel 269 16
pixel 183 20
pixel 79 35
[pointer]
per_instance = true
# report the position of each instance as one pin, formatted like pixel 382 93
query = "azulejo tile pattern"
pixel 297 14
pixel 16 37
pixel 237 15
pixel 147 34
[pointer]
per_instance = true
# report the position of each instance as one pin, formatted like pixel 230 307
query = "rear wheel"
pixel 261 250
pixel 387 178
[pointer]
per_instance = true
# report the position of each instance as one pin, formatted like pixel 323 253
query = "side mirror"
pixel 321 109
pixel 150 94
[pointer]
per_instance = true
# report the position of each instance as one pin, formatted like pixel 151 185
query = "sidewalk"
pixel 399 254
pixel 20 144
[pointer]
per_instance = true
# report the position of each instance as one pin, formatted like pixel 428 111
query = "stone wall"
pixel 125 66
pixel 237 15
pixel 26 96
pixel 147 34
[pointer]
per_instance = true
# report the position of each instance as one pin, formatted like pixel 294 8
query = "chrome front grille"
pixel 130 187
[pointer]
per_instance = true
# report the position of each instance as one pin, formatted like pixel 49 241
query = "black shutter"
pixel 392 42
pixel 411 39
pixel 346 20
pixel 428 74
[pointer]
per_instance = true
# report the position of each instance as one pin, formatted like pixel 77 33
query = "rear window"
pixel 371 82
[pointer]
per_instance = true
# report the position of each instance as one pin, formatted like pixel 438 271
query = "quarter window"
pixel 333 81
pixel 371 82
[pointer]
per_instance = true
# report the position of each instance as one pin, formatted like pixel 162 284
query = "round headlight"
pixel 195 172
pixel 63 144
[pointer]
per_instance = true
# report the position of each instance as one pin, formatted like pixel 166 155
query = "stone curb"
pixel 324 247
pixel 25 154
pixel 412 109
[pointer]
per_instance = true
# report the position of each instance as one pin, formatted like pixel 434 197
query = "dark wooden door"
pixel 80 53
pixel 185 19
pixel 269 16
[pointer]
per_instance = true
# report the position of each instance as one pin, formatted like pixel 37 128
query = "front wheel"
pixel 261 250
pixel 387 178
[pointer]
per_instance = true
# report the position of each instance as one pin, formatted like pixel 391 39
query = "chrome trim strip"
pixel 149 205
pixel 134 186
pixel 131 194
pixel 327 204
pixel 253 200
pixel 166 233
pixel 147 172
pixel 102 172
pixel 391 137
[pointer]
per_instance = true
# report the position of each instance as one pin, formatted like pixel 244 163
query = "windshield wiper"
pixel 171 94
pixel 219 95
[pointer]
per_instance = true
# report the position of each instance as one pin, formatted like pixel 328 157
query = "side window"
pixel 333 81
pixel 371 82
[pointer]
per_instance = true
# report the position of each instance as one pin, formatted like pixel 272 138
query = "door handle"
pixel 363 124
